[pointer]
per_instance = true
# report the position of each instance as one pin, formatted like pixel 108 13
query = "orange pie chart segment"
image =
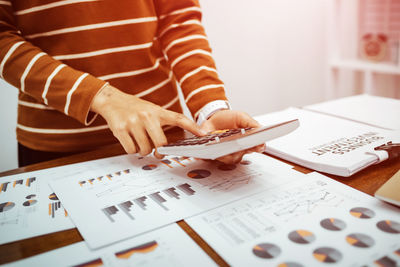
pixel 301 236
pixel 149 167
pixel 30 202
pixel 266 251
pixel 6 206
pixel 360 240
pixel 327 254
pixel 388 226
pixel 198 174
pixel 362 213
pixel 290 264
pixel 333 224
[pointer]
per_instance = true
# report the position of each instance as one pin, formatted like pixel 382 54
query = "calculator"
pixel 224 142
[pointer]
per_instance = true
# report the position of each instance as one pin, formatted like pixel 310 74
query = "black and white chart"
pixel 162 247
pixel 313 221
pixel 141 194
pixel 28 206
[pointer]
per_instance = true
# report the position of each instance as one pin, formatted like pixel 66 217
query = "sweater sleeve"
pixel 186 47
pixel 37 74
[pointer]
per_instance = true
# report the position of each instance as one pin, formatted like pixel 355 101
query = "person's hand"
pixel 230 119
pixel 137 123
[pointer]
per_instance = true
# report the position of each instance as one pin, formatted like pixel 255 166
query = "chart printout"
pixel 28 206
pixel 314 221
pixel 142 194
pixel 167 246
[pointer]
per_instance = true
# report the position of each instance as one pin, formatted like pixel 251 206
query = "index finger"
pixel 180 120
pixel 248 121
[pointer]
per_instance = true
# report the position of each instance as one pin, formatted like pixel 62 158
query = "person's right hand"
pixel 137 123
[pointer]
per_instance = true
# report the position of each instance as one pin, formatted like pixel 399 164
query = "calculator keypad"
pixel 201 140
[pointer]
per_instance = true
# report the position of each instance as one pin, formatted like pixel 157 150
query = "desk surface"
pixel 367 181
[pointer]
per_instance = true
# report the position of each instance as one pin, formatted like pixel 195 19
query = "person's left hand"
pixel 231 119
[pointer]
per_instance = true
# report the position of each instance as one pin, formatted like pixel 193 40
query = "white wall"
pixel 8 121
pixel 270 54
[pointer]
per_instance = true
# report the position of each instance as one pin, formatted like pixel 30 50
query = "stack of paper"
pixel 259 212
pixel 372 110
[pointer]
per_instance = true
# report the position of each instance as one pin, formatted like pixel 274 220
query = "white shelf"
pixel 361 65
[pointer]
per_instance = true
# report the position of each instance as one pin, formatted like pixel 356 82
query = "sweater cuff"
pixel 209 109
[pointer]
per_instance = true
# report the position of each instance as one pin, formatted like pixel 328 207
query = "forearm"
pixel 186 46
pixel 39 75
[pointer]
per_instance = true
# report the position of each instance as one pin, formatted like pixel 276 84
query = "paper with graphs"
pixel 312 221
pixel 168 246
pixel 141 194
pixel 28 206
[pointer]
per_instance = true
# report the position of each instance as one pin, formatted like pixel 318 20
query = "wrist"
pixel 103 97
pixel 210 109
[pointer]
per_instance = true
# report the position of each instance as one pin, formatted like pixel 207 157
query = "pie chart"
pixel 387 226
pixel 149 167
pixel 327 254
pixel 266 251
pixel 385 261
pixel 6 206
pixel 362 213
pixel 227 167
pixel 30 202
pixel 198 174
pixel 360 240
pixel 301 236
pixel 290 264
pixel 333 224
pixel 53 196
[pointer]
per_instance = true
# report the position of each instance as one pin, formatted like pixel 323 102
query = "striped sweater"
pixel 61 53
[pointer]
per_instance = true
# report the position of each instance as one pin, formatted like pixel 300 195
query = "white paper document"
pixel 141 194
pixel 314 221
pixel 168 246
pixel 29 207
pixel 328 144
pixel 373 110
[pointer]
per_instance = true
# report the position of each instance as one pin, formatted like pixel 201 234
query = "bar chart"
pixel 10 185
pixel 160 198
pixel 151 193
pixel 102 179
pixel 55 206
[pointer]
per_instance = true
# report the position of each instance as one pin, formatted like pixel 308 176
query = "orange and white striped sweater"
pixel 61 53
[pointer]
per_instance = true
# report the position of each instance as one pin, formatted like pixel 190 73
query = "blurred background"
pixel 273 54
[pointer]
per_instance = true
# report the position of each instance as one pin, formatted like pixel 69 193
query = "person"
pixel 73 60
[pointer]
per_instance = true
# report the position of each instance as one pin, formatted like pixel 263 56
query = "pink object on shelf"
pixel 379 30
pixel 374 46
